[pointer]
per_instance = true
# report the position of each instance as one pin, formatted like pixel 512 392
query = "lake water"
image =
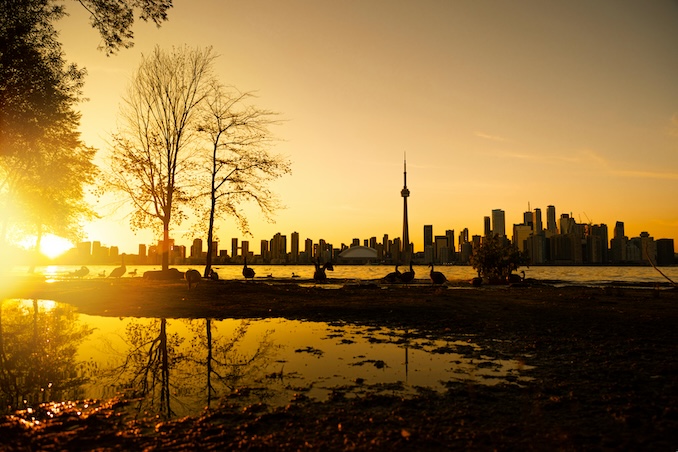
pixel 179 367
pixel 587 275
pixel 52 353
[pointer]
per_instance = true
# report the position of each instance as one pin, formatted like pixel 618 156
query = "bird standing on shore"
pixel 393 277
pixel 437 277
pixel 319 275
pixel 247 272
pixel 117 272
pixel 82 271
pixel 408 276
pixel 192 277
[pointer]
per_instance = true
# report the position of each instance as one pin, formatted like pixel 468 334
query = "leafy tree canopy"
pixel 496 258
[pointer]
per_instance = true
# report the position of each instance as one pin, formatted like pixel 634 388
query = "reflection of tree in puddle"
pixel 38 345
pixel 225 365
pixel 167 376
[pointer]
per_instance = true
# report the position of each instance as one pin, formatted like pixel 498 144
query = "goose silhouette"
pixel 247 272
pixel 436 277
pixel 117 272
pixel 408 276
pixel 192 277
pixel 394 276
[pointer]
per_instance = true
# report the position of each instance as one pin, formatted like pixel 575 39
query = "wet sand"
pixel 605 369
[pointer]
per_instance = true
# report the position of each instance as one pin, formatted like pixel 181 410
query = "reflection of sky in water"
pixel 309 358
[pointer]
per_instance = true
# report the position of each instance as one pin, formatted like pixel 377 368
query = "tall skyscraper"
pixel 551 225
pixel 428 235
pixel 487 225
pixel 405 193
pixel 498 222
pixel 234 247
pixel 295 248
pixel 196 248
pixel 537 225
pixel 619 229
pixel 429 251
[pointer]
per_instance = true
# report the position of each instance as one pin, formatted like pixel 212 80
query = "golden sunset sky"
pixel 497 104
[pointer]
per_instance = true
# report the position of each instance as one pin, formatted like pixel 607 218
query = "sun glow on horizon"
pixel 54 246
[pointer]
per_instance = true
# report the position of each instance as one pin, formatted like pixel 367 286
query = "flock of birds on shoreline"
pixel 193 277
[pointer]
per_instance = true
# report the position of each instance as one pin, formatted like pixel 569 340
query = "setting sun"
pixel 53 246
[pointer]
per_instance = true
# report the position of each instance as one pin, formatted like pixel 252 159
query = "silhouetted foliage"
pixel 496 258
pixel 44 167
pixel 113 19
pixel 240 166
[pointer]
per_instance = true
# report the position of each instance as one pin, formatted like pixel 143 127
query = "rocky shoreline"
pixel 605 370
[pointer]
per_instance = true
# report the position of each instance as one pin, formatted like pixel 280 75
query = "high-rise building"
pixel 428 235
pixel 264 251
pixel 551 225
pixel 405 193
pixel 442 250
pixel 487 227
pixel 294 252
pixel 84 251
pixel 537 225
pixel 142 253
pixel 278 248
pixel 429 252
pixel 566 224
pixel 596 244
pixel 619 229
pixel 196 248
pixel 618 244
pixel 665 252
pixel 450 241
pixel 234 248
pixel 521 232
pixel 498 222
pixel 308 249
pixel 386 246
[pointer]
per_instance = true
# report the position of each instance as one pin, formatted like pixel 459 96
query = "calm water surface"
pixel 179 367
pixel 357 273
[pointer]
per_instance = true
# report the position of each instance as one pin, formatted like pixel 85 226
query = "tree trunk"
pixel 165 406
pixel 210 389
pixel 165 246
pixel 210 238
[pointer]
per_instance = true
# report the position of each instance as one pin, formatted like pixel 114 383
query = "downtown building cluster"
pixel 553 240
pixel 563 241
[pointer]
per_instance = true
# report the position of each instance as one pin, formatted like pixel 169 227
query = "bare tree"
pixel 153 159
pixel 240 165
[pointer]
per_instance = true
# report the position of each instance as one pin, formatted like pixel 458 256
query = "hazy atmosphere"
pixel 496 104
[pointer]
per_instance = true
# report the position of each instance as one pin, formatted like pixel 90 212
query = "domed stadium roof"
pixel 359 252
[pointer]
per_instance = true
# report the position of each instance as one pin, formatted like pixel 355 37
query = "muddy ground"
pixel 605 369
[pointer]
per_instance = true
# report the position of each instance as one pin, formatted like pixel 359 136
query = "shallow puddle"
pixel 178 367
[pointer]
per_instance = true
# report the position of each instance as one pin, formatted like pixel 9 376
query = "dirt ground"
pixel 605 369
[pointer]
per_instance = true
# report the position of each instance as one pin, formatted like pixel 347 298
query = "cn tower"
pixel 405 193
